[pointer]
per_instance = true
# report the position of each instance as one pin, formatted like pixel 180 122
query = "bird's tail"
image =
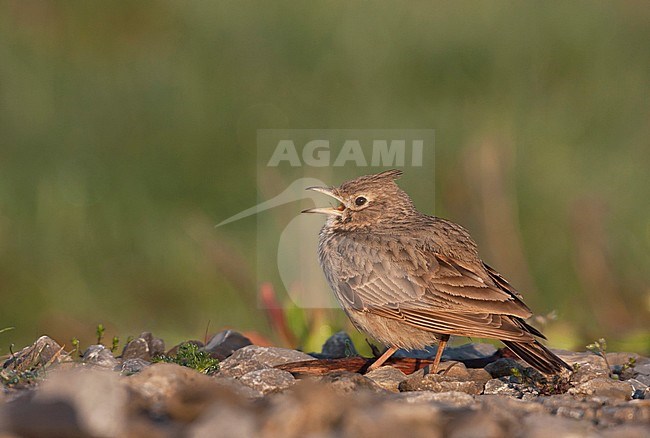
pixel 538 356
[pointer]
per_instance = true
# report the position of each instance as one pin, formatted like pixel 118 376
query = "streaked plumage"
pixel 408 279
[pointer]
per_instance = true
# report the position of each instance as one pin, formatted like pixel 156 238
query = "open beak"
pixel 335 211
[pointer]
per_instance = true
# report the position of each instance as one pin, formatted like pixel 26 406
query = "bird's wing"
pixel 435 292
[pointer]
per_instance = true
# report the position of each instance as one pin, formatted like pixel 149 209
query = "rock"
pixel 501 387
pixel 236 386
pixel 99 355
pixel 367 418
pixel 603 387
pixel 476 424
pixel 180 393
pixel 225 419
pixel 588 372
pixel 622 358
pixel 307 409
pixel 509 409
pixel 453 369
pixel 582 358
pixel 144 347
pixel 73 402
pixel 225 343
pixel 643 369
pixel 544 425
pixel 504 367
pixel 568 406
pixel 441 383
pixel 41 353
pixel 346 382
pixel 626 413
pixel 268 380
pixel 387 377
pixel 625 431
pixel 253 358
pixel 338 345
pixel 132 366
pixel 236 369
pixel 479 375
pixel 137 349
pixel 450 398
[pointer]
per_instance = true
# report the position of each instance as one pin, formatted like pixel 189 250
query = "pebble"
pixel 100 356
pixel 225 343
pixel 336 346
pixel 268 380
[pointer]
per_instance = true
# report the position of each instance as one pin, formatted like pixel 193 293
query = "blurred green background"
pixel 128 129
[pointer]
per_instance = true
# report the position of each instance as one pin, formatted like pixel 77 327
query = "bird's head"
pixel 366 201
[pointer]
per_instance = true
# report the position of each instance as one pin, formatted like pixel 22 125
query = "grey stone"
pixel 41 353
pixel 504 367
pixel 588 371
pixel 137 349
pixel 449 398
pixel 387 377
pixel 268 380
pixel 501 387
pixel 441 383
pixel 625 431
pixel 392 419
pixel 621 358
pixel 166 390
pixel 269 356
pixel 603 387
pixel 73 402
pixel 643 368
pixel 337 346
pixel 479 424
pixel 637 385
pixel 144 347
pixel 132 366
pixel 100 356
pixel 225 343
pixel 223 419
pixel 509 408
pixel 253 357
pixel 345 382
pixel 624 413
pixel 582 358
pixel 234 368
pixel 236 386
pixel 544 426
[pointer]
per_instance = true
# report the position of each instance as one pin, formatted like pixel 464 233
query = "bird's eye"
pixel 360 201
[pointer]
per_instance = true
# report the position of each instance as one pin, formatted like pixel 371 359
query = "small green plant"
pixel 189 355
pixel 114 344
pixel 599 347
pixel 100 333
pixel 515 372
pixel 75 347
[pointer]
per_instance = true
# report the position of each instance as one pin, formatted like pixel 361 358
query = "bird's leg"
pixel 442 343
pixel 383 358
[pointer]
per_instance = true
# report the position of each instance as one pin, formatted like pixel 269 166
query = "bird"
pixel 411 280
